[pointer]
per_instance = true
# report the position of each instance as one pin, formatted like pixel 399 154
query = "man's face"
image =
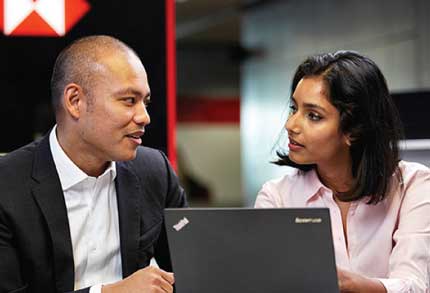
pixel 114 112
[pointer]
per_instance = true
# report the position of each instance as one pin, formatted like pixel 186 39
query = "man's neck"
pixel 77 153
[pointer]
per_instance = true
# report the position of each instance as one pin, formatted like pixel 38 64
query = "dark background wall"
pixel 26 66
pixel 414 113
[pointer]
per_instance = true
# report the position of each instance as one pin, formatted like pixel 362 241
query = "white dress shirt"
pixel 93 220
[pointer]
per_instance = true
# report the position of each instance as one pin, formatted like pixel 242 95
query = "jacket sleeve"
pixel 10 271
pixel 175 198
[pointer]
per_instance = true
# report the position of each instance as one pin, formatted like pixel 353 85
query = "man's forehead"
pixel 119 66
pixel 118 59
pixel 123 74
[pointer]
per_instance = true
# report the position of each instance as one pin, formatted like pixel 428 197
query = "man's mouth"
pixel 135 136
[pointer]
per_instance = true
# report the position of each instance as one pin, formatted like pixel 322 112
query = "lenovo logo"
pixel 40 17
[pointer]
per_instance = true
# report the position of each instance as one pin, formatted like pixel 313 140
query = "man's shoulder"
pixel 148 157
pixel 144 152
pixel 18 160
pixel 15 174
pixel 148 163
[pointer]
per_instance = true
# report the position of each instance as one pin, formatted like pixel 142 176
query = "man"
pixel 83 207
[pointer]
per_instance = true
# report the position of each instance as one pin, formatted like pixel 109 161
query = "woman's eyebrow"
pixel 314 106
pixel 309 105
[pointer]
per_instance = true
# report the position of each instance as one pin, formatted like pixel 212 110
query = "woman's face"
pixel 313 126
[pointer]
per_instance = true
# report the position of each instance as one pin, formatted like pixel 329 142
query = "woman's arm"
pixel 352 282
pixel 410 257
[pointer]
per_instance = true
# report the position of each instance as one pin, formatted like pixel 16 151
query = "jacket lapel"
pixel 48 194
pixel 128 189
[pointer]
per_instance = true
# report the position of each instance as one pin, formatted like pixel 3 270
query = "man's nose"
pixel 142 116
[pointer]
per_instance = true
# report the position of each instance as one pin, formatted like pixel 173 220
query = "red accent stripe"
pixel 1 14
pixel 221 110
pixel 171 81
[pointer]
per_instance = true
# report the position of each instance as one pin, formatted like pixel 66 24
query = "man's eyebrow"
pixel 134 92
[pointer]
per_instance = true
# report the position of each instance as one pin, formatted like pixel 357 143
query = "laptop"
pixel 243 250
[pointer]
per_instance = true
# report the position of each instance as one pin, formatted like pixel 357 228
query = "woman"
pixel 343 132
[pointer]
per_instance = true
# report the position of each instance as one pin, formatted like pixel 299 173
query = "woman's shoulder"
pixel 411 171
pixel 291 176
pixel 291 189
pixel 414 184
pixel 294 183
pixel 272 194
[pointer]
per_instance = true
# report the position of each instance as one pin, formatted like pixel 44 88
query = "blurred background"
pixel 234 63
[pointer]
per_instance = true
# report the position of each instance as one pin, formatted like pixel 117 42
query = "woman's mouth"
pixel 294 145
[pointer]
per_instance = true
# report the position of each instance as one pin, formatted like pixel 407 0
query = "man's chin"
pixel 131 155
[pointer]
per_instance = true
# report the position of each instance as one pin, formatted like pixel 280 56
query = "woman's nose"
pixel 292 123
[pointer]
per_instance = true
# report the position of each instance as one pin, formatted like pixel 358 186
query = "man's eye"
pixel 130 100
pixel 314 116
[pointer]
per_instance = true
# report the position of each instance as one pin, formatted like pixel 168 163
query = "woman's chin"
pixel 299 161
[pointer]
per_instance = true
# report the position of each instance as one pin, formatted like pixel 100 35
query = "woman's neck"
pixel 337 177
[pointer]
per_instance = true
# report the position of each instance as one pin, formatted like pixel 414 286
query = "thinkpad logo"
pixel 52 18
pixel 181 224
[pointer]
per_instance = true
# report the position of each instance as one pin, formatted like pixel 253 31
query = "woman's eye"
pixel 314 116
pixel 293 109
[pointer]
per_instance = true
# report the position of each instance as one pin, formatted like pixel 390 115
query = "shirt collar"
pixel 68 172
pixel 311 186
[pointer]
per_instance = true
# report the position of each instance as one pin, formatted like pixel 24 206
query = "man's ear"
pixel 72 98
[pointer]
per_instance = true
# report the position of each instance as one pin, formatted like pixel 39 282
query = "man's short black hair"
pixel 77 63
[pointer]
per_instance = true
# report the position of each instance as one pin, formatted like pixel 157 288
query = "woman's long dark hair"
pixel 359 91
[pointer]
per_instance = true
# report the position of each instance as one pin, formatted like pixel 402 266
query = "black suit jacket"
pixel 35 246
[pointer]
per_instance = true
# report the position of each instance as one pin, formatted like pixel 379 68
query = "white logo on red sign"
pixel 40 17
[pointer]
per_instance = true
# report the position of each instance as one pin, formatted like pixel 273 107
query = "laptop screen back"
pixel 251 250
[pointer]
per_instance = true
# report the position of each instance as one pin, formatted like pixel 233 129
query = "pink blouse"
pixel 389 241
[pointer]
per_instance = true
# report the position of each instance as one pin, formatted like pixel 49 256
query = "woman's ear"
pixel 348 139
pixel 72 99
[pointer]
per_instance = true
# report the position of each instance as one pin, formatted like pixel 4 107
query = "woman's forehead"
pixel 312 88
